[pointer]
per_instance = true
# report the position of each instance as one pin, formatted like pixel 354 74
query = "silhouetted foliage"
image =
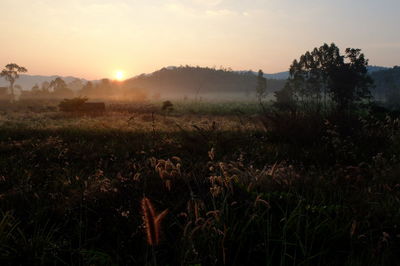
pixel 387 86
pixel 60 89
pixel 72 105
pixel 106 89
pixel 167 106
pixel 11 74
pixel 325 76
pixel 261 88
pixel 75 84
pixel 285 100
pixel 87 89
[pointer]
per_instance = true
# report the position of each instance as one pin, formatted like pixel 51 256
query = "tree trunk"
pixel 12 91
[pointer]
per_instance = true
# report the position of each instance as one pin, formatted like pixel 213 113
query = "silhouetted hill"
pixel 200 81
pixel 372 69
pixel 279 75
pixel 285 74
pixel 387 84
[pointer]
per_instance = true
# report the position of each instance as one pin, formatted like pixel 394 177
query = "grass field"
pixel 92 190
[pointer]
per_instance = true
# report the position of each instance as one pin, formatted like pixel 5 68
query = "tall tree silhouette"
pixel 11 74
pixel 326 75
pixel 261 87
pixel 58 84
pixel 60 88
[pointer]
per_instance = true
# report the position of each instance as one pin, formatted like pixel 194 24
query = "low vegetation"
pixel 73 190
pixel 72 105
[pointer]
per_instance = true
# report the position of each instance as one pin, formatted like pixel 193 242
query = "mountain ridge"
pixel 27 81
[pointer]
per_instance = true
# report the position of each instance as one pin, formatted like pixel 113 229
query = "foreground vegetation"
pixel 239 189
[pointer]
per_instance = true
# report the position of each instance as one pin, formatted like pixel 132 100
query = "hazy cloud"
pixel 221 12
pixel 208 2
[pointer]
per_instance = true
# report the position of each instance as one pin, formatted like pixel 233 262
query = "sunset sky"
pixel 96 38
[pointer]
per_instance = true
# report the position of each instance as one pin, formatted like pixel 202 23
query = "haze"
pixel 94 38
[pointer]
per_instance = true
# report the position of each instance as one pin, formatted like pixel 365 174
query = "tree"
pixel 57 84
pixel 35 88
pixel 325 75
pixel 44 91
pixel 11 74
pixel 60 88
pixel 167 106
pixel 285 100
pixel 87 89
pixel 261 88
pixel 45 86
pixel 350 83
pixel 75 85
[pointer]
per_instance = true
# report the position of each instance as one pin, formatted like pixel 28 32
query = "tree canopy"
pixel 11 73
pixel 325 77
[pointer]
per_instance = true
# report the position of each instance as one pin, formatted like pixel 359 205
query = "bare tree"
pixel 11 73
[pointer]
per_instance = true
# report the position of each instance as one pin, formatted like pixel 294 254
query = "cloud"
pixel 207 2
pixel 181 9
pixel 220 12
pixel 202 9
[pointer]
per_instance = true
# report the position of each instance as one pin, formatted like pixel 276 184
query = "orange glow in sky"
pixel 93 38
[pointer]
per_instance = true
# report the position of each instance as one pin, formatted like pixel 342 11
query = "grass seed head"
pixel 152 222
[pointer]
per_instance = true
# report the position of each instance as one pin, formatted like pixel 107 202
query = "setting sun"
pixel 119 75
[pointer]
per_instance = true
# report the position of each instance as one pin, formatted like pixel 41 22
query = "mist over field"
pixel 178 83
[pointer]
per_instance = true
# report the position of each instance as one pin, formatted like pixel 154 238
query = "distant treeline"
pixel 59 89
pixel 55 89
pixel 186 81
pixel 387 86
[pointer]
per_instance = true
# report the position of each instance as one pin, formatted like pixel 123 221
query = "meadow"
pixel 208 183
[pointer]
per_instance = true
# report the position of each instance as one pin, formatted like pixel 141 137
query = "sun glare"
pixel 119 75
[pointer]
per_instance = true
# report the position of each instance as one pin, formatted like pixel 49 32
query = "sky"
pixel 94 39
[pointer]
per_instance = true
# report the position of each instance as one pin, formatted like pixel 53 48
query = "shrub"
pixel 167 106
pixel 72 105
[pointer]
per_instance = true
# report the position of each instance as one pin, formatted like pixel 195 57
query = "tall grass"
pixel 72 193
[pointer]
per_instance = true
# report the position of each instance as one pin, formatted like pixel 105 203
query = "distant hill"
pixel 279 75
pixel 28 81
pixel 372 69
pixel 387 84
pixel 199 81
pixel 285 74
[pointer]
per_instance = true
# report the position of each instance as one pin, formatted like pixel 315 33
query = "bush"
pixel 72 105
pixel 167 106
pixel 299 128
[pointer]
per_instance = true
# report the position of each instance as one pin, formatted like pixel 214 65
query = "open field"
pixel 137 117
pixel 236 191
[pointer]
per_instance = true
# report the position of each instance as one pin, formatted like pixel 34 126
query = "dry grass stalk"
pixel 261 201
pixel 152 222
